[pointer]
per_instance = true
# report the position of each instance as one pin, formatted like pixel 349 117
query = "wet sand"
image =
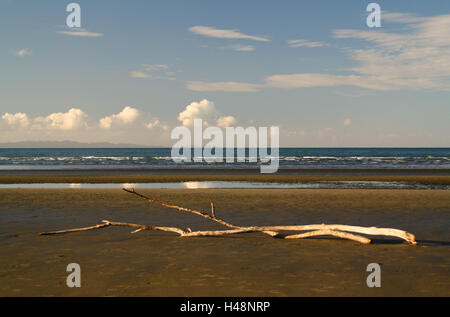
pixel 117 263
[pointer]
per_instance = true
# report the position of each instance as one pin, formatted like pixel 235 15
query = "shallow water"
pixel 236 184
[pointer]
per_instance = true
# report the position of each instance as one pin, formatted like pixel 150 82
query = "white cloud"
pixel 309 80
pixel 305 43
pixel 204 109
pixel 149 67
pixel 292 81
pixel 222 86
pixel 227 121
pixel 156 123
pixel 139 74
pixel 305 80
pixel 17 119
pixel 126 116
pixel 242 48
pixel 413 60
pixel 24 52
pixel 418 59
pixel 81 33
pixel 70 120
pixel 65 121
pixel 224 33
pixel 397 17
pixel 289 81
pixel 106 122
pixel 155 71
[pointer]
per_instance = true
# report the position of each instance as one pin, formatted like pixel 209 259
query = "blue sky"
pixel 313 68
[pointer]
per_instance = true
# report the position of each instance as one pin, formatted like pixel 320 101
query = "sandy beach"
pixel 201 149
pixel 117 263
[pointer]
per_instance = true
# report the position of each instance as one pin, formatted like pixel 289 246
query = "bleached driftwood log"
pixel 341 231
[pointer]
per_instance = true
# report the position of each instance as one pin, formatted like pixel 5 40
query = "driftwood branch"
pixel 341 231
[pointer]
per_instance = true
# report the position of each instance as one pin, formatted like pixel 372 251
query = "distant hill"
pixel 70 144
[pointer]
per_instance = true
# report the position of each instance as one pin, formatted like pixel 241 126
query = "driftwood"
pixel 341 231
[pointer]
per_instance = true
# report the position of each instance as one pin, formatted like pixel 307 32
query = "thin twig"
pixel 193 211
pixel 107 223
pixel 75 230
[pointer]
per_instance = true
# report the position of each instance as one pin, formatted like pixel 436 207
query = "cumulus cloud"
pixel 70 120
pixel 227 121
pixel 156 123
pixel 206 111
pixel 224 33
pixel 24 52
pixel 65 121
pixel 17 119
pixel 126 116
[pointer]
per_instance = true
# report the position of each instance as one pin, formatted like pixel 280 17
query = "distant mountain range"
pixel 70 144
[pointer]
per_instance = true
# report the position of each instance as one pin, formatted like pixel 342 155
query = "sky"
pixel 135 70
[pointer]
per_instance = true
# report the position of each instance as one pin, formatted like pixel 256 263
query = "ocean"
pixel 160 158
